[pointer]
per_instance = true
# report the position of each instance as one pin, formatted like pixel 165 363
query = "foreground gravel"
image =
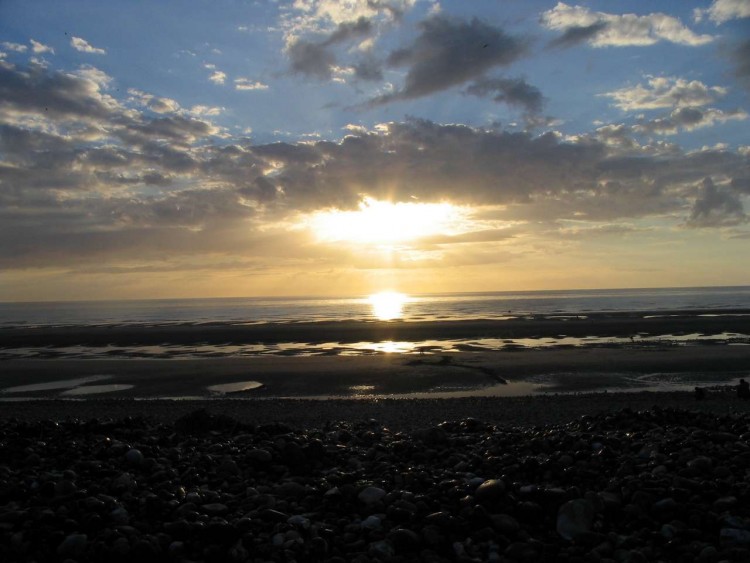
pixel 662 484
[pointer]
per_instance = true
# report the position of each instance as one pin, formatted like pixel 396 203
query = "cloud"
pixel 17 47
pixel 688 119
pixel 601 29
pixel 89 180
pixel 248 84
pixel 319 16
pixel 40 48
pixel 723 10
pixel 311 59
pixel 665 92
pixel 716 207
pixel 84 46
pixel 576 34
pixel 741 58
pixel 316 59
pixel 218 77
pixel 154 103
pixel 55 94
pixel 512 91
pixel 369 68
pixel 450 52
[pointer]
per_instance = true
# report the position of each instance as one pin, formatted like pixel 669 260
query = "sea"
pixel 401 307
pixel 49 320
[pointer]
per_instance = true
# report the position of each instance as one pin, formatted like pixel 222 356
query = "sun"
pixel 382 222
pixel 388 305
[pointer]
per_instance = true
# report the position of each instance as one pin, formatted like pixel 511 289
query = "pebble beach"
pixel 590 477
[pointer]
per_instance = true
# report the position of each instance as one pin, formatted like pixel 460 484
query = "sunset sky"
pixel 318 147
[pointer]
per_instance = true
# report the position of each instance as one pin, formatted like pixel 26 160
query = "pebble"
pixel 134 457
pixel 371 495
pixel 490 491
pixel 575 518
pixel 657 485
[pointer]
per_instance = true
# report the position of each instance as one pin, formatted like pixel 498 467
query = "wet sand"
pixel 497 373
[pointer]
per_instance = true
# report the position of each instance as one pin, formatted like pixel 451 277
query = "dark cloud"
pixel 369 68
pixel 145 187
pixel 513 91
pixel 315 59
pixel 741 185
pixel 449 52
pixel 311 59
pixel 577 34
pixel 348 31
pixel 56 94
pixel 741 58
pixel 687 119
pixel 715 207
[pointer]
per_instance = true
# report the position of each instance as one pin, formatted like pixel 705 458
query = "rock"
pixel 403 540
pixel 575 518
pixel 134 457
pixel 432 436
pixel 215 508
pixel 291 489
pixel 259 455
pixel 702 464
pixel 371 495
pixel 73 545
pixel 382 549
pixel 120 516
pixel 505 524
pixel 372 522
pixel 724 504
pixel 490 492
pixel 734 537
pixel 299 521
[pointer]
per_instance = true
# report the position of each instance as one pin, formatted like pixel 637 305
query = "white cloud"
pixel 99 77
pixel 40 48
pixel 17 47
pixel 724 10
pixel 84 46
pixel 247 84
pixel 154 103
pixel 688 119
pixel 665 92
pixel 218 77
pixel 200 111
pixel 619 30
pixel 316 16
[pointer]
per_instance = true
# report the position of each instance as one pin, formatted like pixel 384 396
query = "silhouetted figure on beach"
pixel 743 390
pixel 700 393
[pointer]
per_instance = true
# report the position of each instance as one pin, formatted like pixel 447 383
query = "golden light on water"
pixel 383 222
pixel 388 305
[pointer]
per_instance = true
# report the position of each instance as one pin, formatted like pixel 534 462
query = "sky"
pixel 222 148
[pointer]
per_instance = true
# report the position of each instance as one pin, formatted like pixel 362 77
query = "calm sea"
pixel 435 307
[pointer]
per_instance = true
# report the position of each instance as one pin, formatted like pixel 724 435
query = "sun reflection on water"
pixel 388 305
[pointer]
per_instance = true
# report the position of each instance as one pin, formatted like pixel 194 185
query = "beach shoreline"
pixel 494 373
pixel 398 414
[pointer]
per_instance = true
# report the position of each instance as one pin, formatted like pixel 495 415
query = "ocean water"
pixel 434 307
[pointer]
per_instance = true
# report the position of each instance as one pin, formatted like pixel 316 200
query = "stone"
pixel 372 522
pixel 215 509
pixel 490 491
pixel 734 537
pixel 371 495
pixel 134 457
pixel 259 455
pixel 575 518
pixel 73 545
pixel 505 524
